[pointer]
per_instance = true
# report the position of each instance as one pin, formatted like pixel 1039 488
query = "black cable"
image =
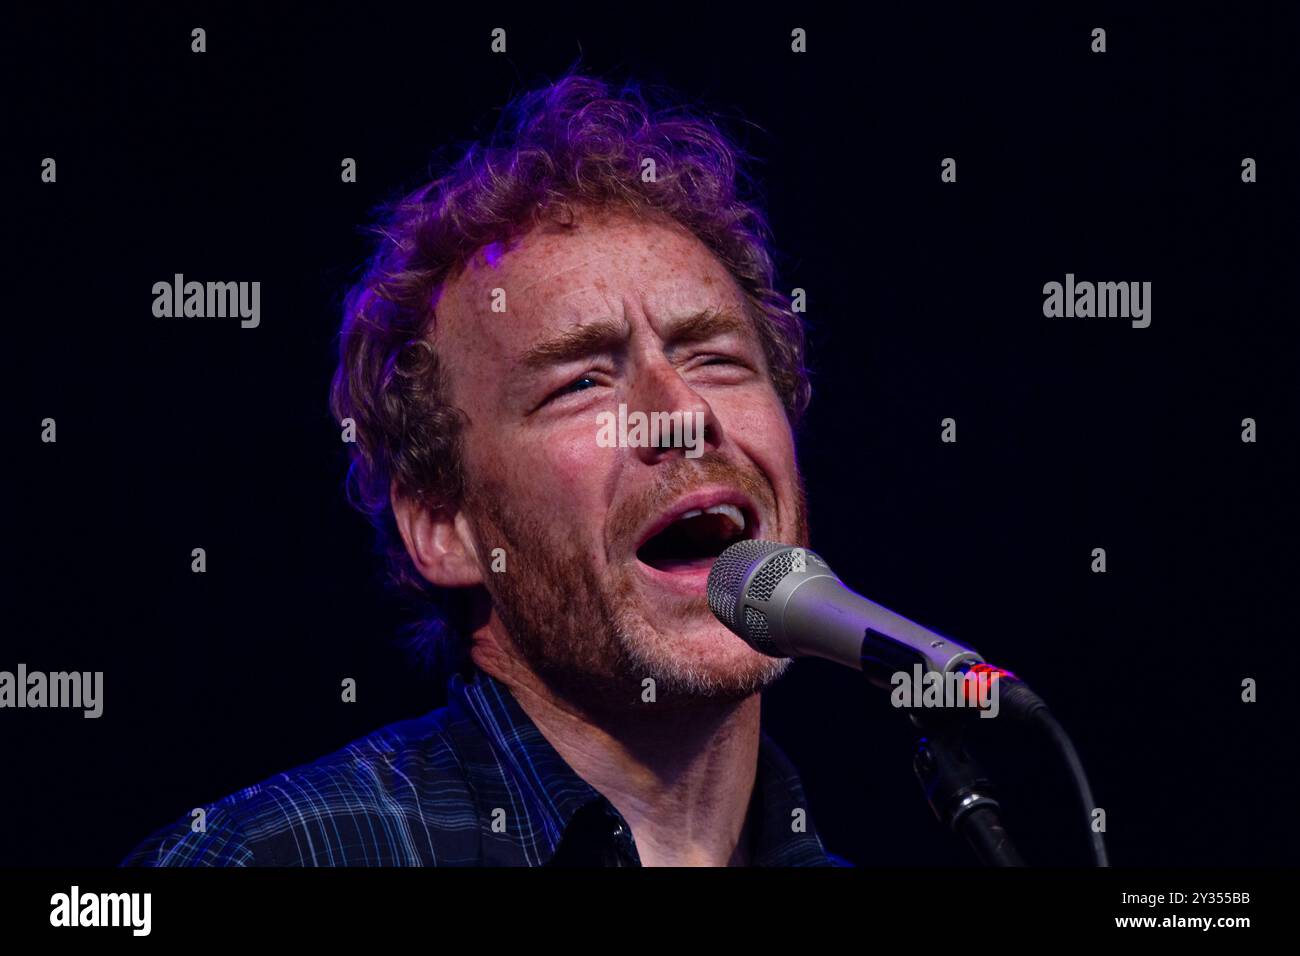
pixel 1065 745
pixel 1028 707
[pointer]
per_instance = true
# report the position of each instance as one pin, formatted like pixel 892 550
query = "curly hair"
pixel 576 143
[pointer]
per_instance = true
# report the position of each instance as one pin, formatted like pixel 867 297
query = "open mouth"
pixel 695 538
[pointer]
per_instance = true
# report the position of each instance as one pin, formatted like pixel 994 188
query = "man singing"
pixel 596 253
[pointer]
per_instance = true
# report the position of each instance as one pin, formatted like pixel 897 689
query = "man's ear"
pixel 438 540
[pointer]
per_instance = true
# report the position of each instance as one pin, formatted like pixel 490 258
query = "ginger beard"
pixel 594 639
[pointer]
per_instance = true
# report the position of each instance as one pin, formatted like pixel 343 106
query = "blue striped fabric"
pixel 473 783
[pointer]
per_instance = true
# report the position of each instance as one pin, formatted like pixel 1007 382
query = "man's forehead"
pixel 551 280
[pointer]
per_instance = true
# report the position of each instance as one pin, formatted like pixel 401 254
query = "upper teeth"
pixel 731 511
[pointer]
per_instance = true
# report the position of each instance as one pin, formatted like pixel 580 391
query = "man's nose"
pixel 687 425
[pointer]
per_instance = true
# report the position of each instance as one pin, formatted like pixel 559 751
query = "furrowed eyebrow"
pixel 596 337
pixel 590 339
pixel 710 324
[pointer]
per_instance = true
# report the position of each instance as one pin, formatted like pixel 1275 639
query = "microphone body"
pixel 786 602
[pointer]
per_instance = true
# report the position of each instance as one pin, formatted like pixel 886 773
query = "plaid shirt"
pixel 473 783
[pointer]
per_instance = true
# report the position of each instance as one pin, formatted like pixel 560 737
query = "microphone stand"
pixel 958 790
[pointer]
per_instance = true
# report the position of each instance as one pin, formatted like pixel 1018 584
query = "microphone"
pixel 785 601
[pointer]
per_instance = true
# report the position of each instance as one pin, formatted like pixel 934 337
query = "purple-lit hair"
pixel 576 143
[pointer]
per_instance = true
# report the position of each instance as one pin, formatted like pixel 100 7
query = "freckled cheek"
pixel 758 426
pixel 565 471
pixel 757 422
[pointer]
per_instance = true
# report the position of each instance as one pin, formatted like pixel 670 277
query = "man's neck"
pixel 682 778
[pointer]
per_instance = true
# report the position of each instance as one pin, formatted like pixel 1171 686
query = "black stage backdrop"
pixel 925 302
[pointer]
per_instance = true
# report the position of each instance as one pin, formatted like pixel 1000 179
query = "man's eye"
pixel 720 360
pixel 579 384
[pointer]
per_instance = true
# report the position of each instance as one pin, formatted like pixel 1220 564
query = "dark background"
pixel 925 301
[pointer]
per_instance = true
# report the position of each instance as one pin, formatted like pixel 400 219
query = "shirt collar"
pixel 783 830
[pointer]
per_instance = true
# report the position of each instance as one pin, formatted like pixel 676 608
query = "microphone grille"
pixel 770 575
pixel 729 572
pixel 741 584
pixel 756 628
